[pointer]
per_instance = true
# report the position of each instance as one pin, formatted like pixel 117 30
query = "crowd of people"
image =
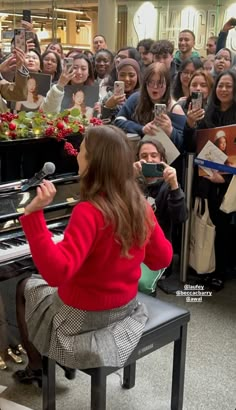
pixel 96 267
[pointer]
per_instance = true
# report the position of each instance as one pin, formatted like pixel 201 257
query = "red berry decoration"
pixel 13 135
pixel 12 126
pixel 60 125
pixel 49 131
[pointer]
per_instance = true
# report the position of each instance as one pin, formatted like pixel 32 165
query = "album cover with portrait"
pixel 217 145
pixel 38 85
pixel 82 97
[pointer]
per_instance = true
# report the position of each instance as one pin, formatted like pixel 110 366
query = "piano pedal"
pixel 21 349
pixel 3 364
pixel 17 359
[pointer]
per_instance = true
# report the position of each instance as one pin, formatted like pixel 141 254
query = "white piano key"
pixel 19 251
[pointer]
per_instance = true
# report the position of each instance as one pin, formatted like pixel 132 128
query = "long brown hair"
pixel 109 183
pixel 144 110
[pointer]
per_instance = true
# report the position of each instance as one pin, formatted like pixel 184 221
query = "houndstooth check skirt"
pixel 78 338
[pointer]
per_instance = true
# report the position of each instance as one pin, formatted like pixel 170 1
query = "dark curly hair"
pixel 58 60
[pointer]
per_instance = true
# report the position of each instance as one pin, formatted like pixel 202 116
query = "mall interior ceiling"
pixel 43 11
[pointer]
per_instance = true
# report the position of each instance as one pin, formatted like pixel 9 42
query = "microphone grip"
pixel 34 181
pixel 48 169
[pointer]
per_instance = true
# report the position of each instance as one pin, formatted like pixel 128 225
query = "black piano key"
pixel 21 240
pixel 7 245
pixel 57 230
pixel 13 242
pixel 2 246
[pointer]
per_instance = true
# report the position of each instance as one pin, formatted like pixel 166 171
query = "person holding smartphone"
pixel 137 115
pixel 200 82
pixel 17 90
pixel 220 112
pixel 80 73
pixel 13 91
pixel 163 193
pixel 223 34
pixel 128 76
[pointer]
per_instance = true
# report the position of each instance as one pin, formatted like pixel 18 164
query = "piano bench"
pixel 167 323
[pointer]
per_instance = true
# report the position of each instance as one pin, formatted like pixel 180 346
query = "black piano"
pixel 15 259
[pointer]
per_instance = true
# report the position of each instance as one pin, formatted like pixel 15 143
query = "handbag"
pixel 229 201
pixel 149 278
pixel 202 239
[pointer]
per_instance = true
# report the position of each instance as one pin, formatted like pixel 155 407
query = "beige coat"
pixel 16 91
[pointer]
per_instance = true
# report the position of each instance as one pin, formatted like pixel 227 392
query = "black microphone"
pixel 48 169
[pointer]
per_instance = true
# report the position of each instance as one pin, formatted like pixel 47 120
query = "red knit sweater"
pixel 87 266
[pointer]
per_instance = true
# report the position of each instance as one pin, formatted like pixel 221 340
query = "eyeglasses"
pixel 187 73
pixel 222 58
pixel 157 84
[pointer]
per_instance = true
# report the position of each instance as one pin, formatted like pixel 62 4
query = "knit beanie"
pixel 129 61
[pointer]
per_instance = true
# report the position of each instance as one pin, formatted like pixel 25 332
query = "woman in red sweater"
pixel 84 312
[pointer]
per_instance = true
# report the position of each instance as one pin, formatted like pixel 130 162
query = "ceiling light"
pixel 83 21
pixel 69 11
pixel 20 15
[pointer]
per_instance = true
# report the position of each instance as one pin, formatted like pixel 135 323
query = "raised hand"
pixel 19 56
pixel 115 100
pixel 66 76
pixel 27 25
pixel 45 194
pixel 194 115
pixel 138 167
pixel 9 64
pixel 216 178
pixel 170 176
pixel 229 24
pixel 150 128
pixel 30 45
pixel 164 122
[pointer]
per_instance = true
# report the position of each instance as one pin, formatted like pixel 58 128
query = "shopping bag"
pixel 202 239
pixel 149 278
pixel 229 201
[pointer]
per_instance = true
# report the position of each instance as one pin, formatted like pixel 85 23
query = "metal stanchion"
pixel 184 256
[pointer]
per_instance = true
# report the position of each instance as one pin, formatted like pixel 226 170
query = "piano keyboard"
pixel 18 247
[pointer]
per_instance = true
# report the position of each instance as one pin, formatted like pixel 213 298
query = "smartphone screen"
pixel 119 87
pixel 152 170
pixel 26 16
pixel 19 39
pixel 196 99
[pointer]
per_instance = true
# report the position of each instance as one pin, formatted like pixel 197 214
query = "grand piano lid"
pixel 13 201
